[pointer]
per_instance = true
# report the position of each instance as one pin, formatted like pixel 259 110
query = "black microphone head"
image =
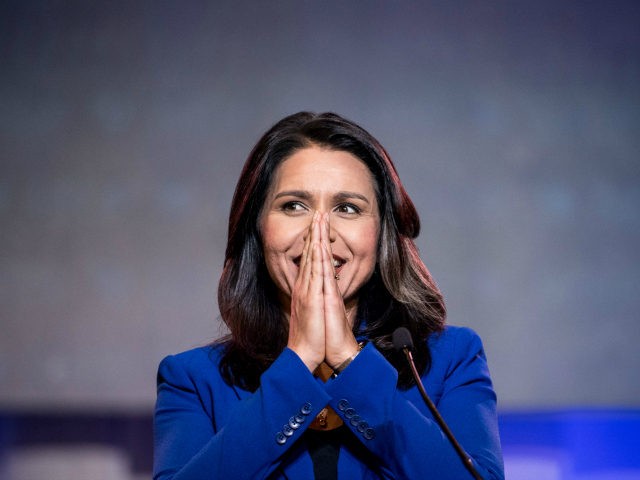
pixel 402 339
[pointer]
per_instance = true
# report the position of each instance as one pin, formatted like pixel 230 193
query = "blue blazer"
pixel 206 429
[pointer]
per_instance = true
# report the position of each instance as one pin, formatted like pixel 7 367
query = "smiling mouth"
pixel 338 262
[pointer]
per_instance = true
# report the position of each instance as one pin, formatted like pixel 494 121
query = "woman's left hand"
pixel 340 343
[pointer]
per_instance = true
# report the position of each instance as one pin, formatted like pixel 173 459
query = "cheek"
pixel 269 247
pixel 269 235
pixel 372 251
pixel 267 241
pixel 365 244
pixel 271 250
pixel 277 238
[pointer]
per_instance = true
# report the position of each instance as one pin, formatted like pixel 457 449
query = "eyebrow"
pixel 307 195
pixel 349 195
pixel 293 193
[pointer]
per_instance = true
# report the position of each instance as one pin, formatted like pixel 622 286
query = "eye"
pixel 293 207
pixel 347 209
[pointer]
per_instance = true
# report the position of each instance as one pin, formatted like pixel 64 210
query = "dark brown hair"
pixel 401 291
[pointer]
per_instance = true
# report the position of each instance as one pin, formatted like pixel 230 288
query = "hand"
pixel 306 322
pixel 340 343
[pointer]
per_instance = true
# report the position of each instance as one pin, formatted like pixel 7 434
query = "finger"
pixel 323 243
pixel 317 266
pixel 329 269
pixel 331 289
pixel 333 303
pixel 306 249
pixel 305 259
pixel 306 255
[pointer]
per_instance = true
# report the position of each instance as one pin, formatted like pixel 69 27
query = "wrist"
pixel 345 363
pixel 309 357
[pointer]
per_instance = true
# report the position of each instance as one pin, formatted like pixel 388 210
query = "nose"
pixel 332 232
pixel 307 231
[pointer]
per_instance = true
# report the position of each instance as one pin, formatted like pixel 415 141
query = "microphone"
pixel 402 341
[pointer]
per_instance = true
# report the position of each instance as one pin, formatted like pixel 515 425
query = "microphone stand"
pixel 466 460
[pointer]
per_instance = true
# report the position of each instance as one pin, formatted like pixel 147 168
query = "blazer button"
pixel 299 418
pixel 293 424
pixel 362 426
pixel 369 434
pixel 349 412
pixel 280 438
pixel 355 420
pixel 306 409
pixel 343 404
pixel 287 430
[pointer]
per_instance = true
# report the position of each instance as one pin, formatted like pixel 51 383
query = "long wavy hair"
pixel 400 292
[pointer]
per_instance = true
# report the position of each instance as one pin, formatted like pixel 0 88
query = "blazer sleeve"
pixel 400 431
pixel 255 433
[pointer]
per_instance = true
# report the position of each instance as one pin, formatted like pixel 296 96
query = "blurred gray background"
pixel 124 126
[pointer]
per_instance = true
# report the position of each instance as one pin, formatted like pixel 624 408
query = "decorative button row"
pixel 294 423
pixel 354 419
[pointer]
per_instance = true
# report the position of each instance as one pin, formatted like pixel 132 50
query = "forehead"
pixel 319 169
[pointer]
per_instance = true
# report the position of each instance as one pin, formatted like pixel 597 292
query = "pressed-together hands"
pixel 319 328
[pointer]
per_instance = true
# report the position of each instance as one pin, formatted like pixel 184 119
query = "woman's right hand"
pixel 306 323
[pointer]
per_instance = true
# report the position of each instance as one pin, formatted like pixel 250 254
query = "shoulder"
pixel 456 349
pixel 454 338
pixel 194 364
pixel 192 378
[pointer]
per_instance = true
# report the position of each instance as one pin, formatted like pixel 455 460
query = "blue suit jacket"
pixel 205 429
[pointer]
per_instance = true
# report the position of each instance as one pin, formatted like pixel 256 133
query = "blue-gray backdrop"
pixel 124 125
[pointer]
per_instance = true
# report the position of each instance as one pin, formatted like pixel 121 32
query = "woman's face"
pixel 331 181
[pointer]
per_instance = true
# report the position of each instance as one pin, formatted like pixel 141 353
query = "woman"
pixel 320 269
